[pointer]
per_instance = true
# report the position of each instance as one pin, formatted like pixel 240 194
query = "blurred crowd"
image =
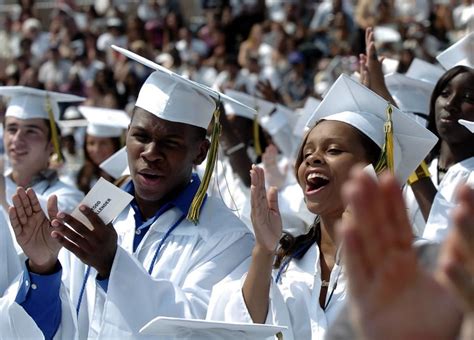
pixel 292 49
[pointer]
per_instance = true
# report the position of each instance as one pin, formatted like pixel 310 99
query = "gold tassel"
pixel 256 137
pixel 195 208
pixel 54 131
pixel 386 158
pixel 256 131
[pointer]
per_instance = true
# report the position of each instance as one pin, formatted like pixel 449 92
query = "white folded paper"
pixel 106 200
pixel 203 329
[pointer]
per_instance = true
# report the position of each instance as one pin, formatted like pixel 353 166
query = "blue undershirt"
pixel 182 202
pixel 39 297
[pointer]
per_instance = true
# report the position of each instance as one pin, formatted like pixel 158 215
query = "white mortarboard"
pixel 27 103
pixel 204 329
pixel 352 103
pixel 425 71
pixel 261 106
pixel 411 95
pixel 305 113
pixel 172 97
pixel 467 124
pixel 279 126
pixel 460 53
pixel 117 164
pixel 105 122
pixel 390 65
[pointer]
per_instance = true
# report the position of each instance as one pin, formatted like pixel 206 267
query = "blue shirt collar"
pixel 182 201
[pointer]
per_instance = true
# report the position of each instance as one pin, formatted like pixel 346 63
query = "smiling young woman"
pixel 300 282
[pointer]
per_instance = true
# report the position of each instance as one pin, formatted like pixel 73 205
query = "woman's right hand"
pixel 266 219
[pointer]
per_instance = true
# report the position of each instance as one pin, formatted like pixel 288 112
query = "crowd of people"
pixel 304 164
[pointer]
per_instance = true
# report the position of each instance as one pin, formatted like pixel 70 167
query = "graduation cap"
pixel 29 103
pixel 104 122
pixel 411 95
pixel 204 329
pixel 424 71
pixel 172 97
pixel 279 126
pixel 262 109
pixel 467 124
pixel 460 53
pixel 304 114
pixel 352 103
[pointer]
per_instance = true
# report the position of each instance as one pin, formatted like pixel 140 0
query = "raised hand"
pixel 275 177
pixel 370 68
pixel 389 293
pixel 266 219
pixel 95 248
pixel 33 229
pixel 267 226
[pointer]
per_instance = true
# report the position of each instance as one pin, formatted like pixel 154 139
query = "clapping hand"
pixel 266 219
pixel 95 248
pixel 33 229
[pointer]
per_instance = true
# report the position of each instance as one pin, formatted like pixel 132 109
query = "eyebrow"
pixel 28 126
pixel 167 134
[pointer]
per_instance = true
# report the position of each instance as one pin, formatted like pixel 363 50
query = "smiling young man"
pixel 29 143
pixel 159 258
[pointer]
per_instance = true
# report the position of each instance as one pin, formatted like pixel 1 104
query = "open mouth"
pixel 316 182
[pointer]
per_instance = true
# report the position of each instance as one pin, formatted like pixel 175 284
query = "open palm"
pixel 266 219
pixel 391 296
pixel 32 228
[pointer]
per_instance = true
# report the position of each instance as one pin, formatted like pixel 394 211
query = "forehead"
pixel 464 80
pixel 332 130
pixel 157 126
pixel 33 122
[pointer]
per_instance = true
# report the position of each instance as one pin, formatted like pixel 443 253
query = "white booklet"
pixel 106 200
pixel 204 329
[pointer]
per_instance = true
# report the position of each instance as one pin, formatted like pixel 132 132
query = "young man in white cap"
pixel 172 244
pixel 30 139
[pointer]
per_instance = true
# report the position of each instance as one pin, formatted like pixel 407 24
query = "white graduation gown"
pixel 294 302
pixel 438 222
pixel 192 260
pixel 15 323
pixel 417 220
pixel 9 261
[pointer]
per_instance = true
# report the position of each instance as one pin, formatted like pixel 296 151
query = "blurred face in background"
pixel 99 148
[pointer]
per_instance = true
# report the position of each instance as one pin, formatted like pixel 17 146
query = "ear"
pixel 203 148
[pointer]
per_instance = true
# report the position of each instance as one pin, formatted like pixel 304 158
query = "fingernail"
pixel 61 215
pixel 55 223
pixel 82 208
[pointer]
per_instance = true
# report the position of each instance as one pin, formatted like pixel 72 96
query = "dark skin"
pixel 456 101
pixel 160 152
pixel 331 149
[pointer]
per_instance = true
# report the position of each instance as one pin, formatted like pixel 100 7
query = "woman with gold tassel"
pixel 300 282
